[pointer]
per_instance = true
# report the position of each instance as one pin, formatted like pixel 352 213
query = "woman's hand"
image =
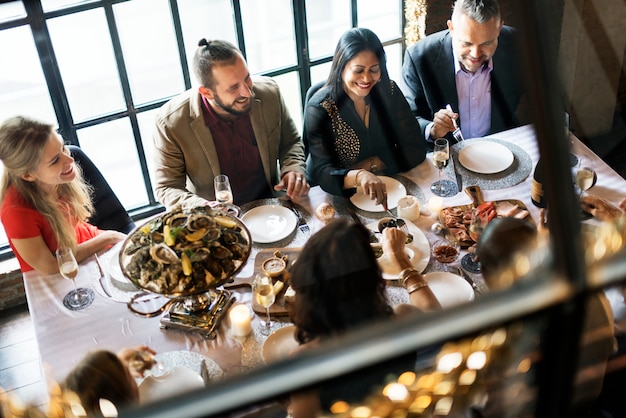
pixel 373 186
pixel 137 359
pixel 394 240
pixel 599 208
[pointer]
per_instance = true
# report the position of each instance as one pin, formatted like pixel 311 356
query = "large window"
pixel 100 69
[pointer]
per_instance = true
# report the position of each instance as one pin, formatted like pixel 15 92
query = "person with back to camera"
pixel 473 66
pixel 339 288
pixel 231 124
pixel 358 125
pixel 45 200
pixel 496 249
pixel 103 374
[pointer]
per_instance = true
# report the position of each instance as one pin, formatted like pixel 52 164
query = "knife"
pixel 102 277
pixel 457 174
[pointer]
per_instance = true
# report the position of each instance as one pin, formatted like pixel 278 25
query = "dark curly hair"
pixel 338 283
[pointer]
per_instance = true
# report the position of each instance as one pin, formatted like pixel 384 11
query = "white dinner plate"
pixel 177 381
pixel 449 288
pixel 279 344
pixel 113 268
pixel 420 247
pixel 395 192
pixel 485 157
pixel 269 223
pixel 181 374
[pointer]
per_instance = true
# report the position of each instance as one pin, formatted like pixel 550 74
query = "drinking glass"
pixel 441 155
pixel 79 298
pixel 263 291
pixel 470 261
pixel 223 192
pixel 585 179
pixel 446 251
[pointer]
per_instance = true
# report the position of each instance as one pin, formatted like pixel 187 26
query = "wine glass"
pixel 478 223
pixel 223 192
pixel 441 155
pixel 79 298
pixel 446 251
pixel 263 291
pixel 585 179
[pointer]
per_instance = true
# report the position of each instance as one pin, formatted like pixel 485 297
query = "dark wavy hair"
pixel 352 43
pixel 209 54
pixel 338 283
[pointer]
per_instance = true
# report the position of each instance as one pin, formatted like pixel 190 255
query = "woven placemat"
pixel 515 174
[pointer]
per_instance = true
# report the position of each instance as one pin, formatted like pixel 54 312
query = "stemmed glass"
pixel 441 155
pixel 446 251
pixel 470 261
pixel 79 298
pixel 585 179
pixel 223 192
pixel 263 291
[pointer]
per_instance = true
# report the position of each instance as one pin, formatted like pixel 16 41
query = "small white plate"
pixel 269 223
pixel 395 192
pixel 449 288
pixel 279 344
pixel 179 380
pixel 420 249
pixel 485 157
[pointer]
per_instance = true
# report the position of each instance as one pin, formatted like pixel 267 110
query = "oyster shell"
pixel 163 254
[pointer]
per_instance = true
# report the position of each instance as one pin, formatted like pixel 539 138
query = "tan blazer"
pixel 185 156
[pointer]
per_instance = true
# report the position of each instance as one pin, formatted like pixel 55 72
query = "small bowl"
pixel 274 266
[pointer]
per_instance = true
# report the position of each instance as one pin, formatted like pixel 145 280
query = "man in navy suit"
pixel 473 67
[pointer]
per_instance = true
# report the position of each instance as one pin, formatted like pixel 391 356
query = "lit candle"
pixel 435 204
pixel 240 321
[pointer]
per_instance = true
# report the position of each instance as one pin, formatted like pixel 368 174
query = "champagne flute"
pixel 263 291
pixel 441 155
pixel 223 191
pixel 470 261
pixel 79 298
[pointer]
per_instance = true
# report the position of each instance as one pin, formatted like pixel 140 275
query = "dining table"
pixel 65 336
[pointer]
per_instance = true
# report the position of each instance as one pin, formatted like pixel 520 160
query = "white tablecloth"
pixel 65 336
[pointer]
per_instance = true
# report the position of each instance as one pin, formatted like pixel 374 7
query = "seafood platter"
pixel 184 256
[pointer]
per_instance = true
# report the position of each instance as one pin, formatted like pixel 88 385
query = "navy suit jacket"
pixel 429 82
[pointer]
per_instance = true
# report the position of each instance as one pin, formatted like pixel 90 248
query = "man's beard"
pixel 230 108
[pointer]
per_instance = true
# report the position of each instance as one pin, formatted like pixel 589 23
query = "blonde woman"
pixel 45 203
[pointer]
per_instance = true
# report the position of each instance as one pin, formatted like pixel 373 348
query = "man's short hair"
pixel 481 11
pixel 209 54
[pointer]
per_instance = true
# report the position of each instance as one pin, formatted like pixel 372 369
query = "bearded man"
pixel 232 124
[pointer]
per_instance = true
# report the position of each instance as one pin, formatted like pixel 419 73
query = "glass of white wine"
pixel 585 178
pixel 223 191
pixel 263 291
pixel 441 155
pixel 79 298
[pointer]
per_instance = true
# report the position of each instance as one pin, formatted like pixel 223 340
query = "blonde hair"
pixel 22 143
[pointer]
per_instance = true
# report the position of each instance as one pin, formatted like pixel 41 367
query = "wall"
pixel 11 285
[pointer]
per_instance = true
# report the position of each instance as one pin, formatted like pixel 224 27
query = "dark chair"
pixel 309 93
pixel 109 212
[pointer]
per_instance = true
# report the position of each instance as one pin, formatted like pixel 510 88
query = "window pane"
pixel 150 49
pixel 394 61
pixel 11 10
pixel 386 21
pixel 269 34
pixel 327 20
pixel 290 89
pixel 112 149
pixel 146 128
pixel 87 63
pixel 23 88
pixel 61 4
pixel 320 72
pixel 203 19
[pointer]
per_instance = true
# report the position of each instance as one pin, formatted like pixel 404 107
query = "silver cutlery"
pixel 304 227
pixel 458 136
pixel 475 287
pixel 204 373
pixel 102 278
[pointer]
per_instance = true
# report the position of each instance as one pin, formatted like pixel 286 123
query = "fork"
pixel 399 222
pixel 457 134
pixel 304 227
